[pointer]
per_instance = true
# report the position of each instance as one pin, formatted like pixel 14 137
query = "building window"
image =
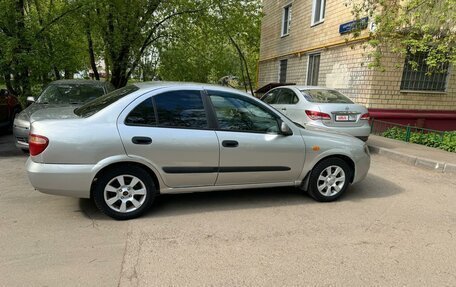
pixel 417 80
pixel 286 20
pixel 313 69
pixel 283 71
pixel 318 11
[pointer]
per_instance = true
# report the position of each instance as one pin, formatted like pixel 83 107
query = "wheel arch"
pixel 125 163
pixel 305 182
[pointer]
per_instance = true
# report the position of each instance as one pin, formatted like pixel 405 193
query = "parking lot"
pixel 398 227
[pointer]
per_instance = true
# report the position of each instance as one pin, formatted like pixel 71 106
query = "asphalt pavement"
pixel 397 227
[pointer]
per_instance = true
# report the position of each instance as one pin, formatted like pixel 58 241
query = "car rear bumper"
pixel 72 180
pixel 21 137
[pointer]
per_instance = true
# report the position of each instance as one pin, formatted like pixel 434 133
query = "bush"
pixel 445 141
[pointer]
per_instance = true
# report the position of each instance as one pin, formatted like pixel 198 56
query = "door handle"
pixel 230 143
pixel 141 140
pixel 284 109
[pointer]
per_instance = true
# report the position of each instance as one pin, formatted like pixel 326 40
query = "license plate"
pixel 345 118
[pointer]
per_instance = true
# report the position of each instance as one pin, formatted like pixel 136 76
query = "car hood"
pixel 332 135
pixel 54 113
pixel 30 110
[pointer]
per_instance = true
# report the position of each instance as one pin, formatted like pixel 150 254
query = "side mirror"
pixel 285 129
pixel 30 100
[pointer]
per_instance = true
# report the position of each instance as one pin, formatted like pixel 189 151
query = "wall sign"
pixel 354 25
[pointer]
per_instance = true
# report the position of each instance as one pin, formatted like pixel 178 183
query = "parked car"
pixel 9 107
pixel 322 108
pixel 126 147
pixel 58 94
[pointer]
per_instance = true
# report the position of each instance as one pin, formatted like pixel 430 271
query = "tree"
pixel 414 26
pixel 222 41
pixel 129 28
pixel 36 43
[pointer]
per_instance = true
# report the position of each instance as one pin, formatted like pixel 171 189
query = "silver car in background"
pixel 58 94
pixel 321 108
pixel 126 147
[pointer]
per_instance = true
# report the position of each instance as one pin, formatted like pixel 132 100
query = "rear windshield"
pixel 70 93
pixel 325 96
pixel 102 102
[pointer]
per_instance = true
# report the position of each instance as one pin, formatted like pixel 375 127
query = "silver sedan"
pixel 126 147
pixel 321 108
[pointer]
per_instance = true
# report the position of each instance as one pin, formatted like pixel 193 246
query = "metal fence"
pixel 403 132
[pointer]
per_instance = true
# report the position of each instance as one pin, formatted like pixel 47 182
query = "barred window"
pixel 418 80
pixel 283 71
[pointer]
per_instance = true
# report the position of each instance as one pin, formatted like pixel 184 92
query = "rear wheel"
pixel 124 192
pixel 329 179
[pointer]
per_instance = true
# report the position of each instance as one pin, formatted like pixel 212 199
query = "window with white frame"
pixel 286 20
pixel 318 11
pixel 313 69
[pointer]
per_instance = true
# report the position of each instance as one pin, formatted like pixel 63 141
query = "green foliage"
pixel 417 26
pixel 202 48
pixel 444 140
pixel 192 40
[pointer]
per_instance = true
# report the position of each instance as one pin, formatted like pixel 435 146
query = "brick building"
pixel 305 42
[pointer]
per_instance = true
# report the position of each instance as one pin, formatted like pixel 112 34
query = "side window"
pixel 271 97
pixel 181 109
pixel 236 114
pixel 287 97
pixel 142 115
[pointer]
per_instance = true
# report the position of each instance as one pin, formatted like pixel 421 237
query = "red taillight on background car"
pixel 314 115
pixel 37 144
pixel 365 117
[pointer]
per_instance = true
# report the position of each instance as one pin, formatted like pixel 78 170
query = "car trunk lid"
pixel 54 114
pixel 343 115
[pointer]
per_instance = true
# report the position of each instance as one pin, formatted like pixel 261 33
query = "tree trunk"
pixel 245 63
pixel 93 64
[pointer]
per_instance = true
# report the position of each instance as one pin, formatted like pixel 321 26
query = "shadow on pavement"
pixel 7 146
pixel 181 204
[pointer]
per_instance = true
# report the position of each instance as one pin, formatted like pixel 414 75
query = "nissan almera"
pixel 128 146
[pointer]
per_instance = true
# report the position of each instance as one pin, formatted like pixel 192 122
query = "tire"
pixel 124 192
pixel 329 179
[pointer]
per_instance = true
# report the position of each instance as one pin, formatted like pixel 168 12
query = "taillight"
pixel 37 144
pixel 314 115
pixel 365 117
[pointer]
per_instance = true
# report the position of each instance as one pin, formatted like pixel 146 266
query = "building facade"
pixel 306 42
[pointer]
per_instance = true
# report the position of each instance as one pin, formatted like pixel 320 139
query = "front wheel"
pixel 124 192
pixel 329 179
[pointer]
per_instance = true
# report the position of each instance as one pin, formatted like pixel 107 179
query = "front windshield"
pixel 325 96
pixel 100 103
pixel 70 93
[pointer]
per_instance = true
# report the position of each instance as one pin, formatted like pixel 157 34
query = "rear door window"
pixel 287 97
pixel 181 109
pixel 142 115
pixel 271 97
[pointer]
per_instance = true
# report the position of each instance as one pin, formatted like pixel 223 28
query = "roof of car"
pixel 159 84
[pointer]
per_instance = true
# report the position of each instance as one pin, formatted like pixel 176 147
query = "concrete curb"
pixel 425 163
